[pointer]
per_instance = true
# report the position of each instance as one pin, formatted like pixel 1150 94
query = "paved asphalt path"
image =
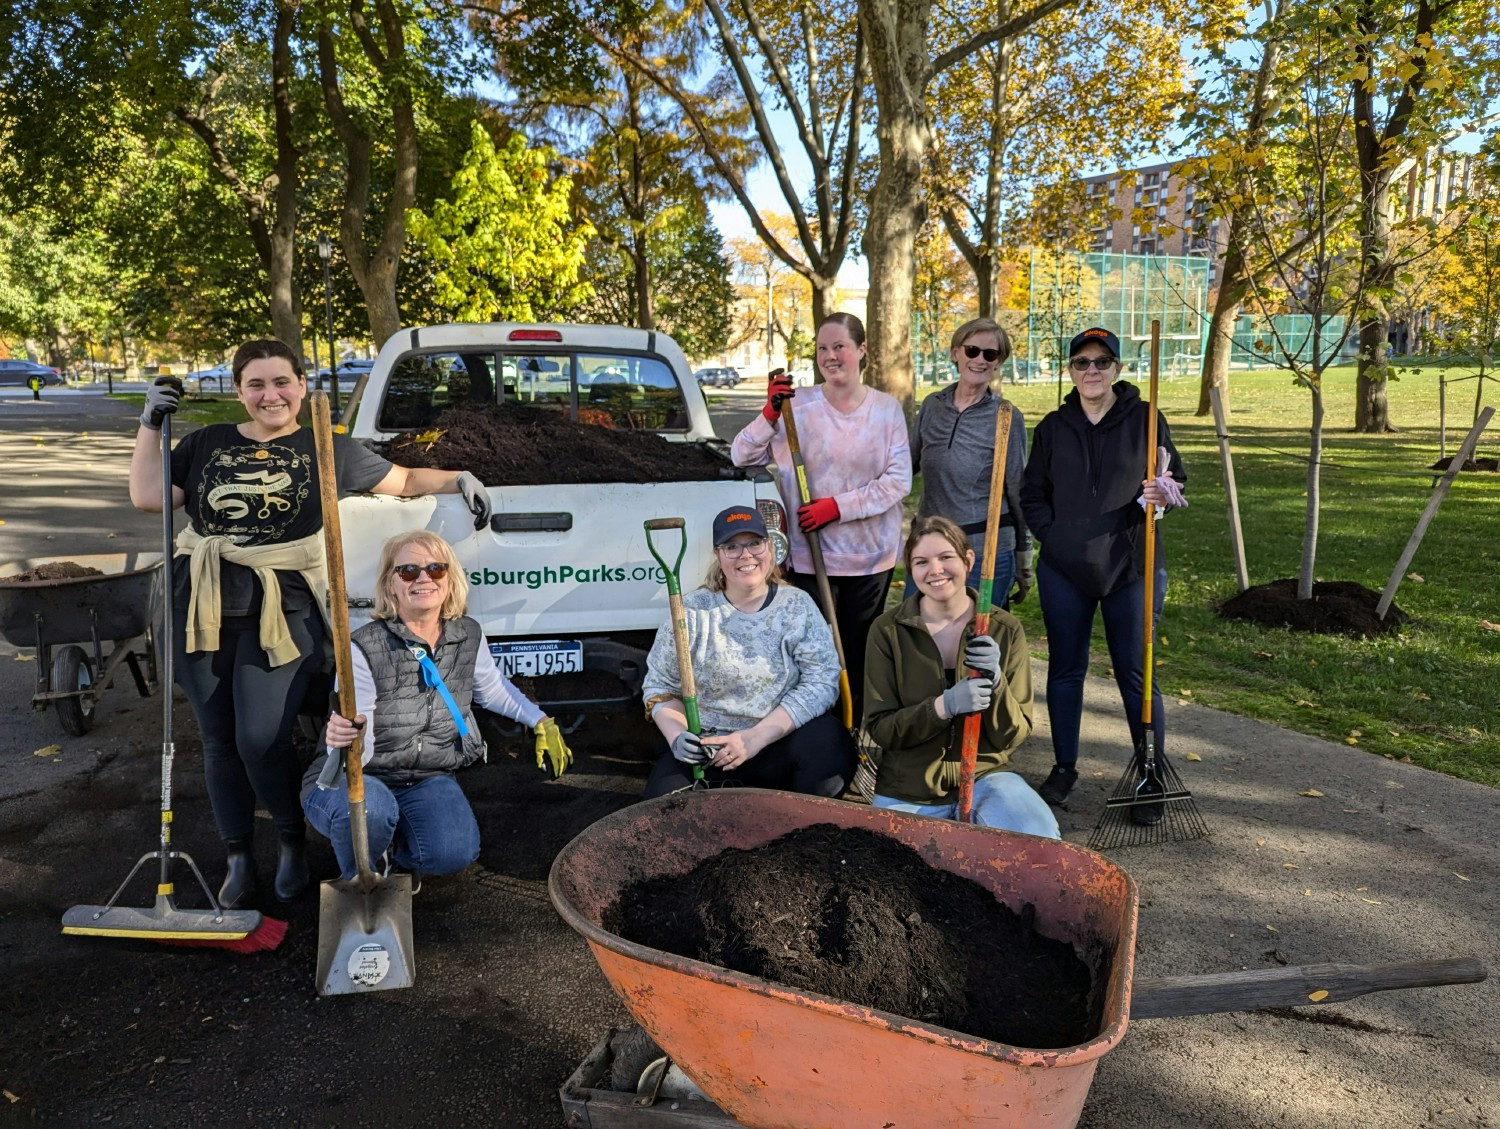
pixel 1389 863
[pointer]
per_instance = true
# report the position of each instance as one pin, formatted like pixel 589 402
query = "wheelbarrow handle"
pixel 1294 986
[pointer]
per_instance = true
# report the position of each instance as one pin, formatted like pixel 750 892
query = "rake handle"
pixel 1150 525
pixel 338 622
pixel 820 571
pixel 969 750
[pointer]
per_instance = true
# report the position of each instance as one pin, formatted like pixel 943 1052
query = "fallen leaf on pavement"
pixel 25 658
pixel 1319 996
pixel 1273 929
pixel 12 1098
pixel 1351 740
pixel 1290 866
pixel 47 751
pixel 1313 792
pixel 1464 877
pixel 1370 901
pixel 1193 757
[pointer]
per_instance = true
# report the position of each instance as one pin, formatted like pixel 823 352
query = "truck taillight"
pixel 772 514
pixel 535 335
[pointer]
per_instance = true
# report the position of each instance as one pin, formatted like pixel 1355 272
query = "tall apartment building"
pixel 1150 211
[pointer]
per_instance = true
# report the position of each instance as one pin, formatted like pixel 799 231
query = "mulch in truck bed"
pixel 513 445
pixel 52 570
pixel 1337 607
pixel 862 917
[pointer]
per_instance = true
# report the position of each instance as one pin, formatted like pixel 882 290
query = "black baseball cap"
pixel 736 520
pixel 1099 336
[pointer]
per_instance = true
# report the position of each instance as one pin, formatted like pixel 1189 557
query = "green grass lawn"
pixel 1431 692
pixel 196 409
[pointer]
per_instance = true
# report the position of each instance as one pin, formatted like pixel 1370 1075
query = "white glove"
pixel 476 497
pixel 687 747
pixel 972 695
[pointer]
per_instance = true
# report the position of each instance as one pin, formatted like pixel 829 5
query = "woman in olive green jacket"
pixel 917 693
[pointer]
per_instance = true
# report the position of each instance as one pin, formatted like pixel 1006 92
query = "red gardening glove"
pixel 778 388
pixel 817 513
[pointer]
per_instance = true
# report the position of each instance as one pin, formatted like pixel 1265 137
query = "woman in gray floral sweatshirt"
pixel 766 674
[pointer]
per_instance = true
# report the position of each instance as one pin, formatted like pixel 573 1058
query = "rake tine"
pixel 1181 820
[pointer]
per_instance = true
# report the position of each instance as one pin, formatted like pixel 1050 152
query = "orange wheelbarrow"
pixel 774 1057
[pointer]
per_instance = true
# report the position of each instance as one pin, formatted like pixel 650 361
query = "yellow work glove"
pixel 552 754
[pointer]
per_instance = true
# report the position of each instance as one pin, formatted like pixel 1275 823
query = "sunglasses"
pixel 1083 364
pixel 972 351
pixel 409 572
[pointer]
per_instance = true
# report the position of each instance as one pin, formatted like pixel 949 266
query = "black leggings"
pixel 816 759
pixel 857 603
pixel 246 709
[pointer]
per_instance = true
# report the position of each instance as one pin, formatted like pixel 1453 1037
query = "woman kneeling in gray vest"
pixel 419 668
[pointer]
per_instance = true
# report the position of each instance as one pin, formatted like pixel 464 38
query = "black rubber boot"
pixel 292 875
pixel 239 882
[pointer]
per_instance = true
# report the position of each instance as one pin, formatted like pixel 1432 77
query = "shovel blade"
pixel 364 938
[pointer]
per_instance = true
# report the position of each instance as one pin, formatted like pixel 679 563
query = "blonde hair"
pixel 945 528
pixel 457 602
pixel 983 325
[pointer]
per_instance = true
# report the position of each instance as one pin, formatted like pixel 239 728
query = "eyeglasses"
pixel 972 351
pixel 736 549
pixel 1083 364
pixel 409 572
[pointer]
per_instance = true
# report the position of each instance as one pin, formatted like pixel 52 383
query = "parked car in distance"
pixel 346 372
pixel 220 378
pixel 717 377
pixel 18 373
pixel 802 378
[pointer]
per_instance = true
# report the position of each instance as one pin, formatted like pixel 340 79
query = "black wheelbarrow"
pixel 69 621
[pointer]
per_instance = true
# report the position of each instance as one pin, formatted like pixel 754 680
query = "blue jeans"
pixel 1005 578
pixel 1069 618
pixel 428 826
pixel 1001 799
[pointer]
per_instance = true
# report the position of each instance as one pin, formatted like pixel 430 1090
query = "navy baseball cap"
pixel 1099 336
pixel 736 520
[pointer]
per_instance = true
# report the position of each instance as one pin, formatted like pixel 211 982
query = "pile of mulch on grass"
pixel 512 445
pixel 1492 465
pixel 52 570
pixel 862 917
pixel 1337 607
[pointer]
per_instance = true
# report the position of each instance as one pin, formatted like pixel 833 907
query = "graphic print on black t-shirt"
pixel 255 495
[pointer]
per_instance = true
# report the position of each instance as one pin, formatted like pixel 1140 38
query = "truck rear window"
pixel 622 391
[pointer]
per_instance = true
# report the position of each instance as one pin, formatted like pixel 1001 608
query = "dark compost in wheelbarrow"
pixel 860 916
pixel 52 570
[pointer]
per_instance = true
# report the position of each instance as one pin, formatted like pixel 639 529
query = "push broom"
pixel 1150 804
pixel 241 931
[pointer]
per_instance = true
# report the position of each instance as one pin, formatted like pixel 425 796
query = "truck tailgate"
pixel 556 561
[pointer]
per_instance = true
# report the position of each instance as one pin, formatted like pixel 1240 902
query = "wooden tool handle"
pixel 338 602
pixel 665 523
pixel 1150 525
pixel 1294 986
pixel 969 750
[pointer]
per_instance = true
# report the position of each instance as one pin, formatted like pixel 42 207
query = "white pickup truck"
pixel 561 578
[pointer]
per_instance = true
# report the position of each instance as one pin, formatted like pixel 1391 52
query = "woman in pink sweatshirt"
pixel 858 457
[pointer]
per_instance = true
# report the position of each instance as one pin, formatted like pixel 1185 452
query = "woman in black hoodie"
pixel 1084 498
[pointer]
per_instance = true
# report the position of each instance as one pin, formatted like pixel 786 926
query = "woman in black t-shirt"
pixel 249 583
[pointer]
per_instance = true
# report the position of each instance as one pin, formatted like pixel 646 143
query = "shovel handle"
pixel 1294 986
pixel 338 621
pixel 679 623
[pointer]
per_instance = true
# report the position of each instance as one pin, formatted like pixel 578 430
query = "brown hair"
pixel 851 324
pixel 264 349
pixel 946 529
pixel 457 602
pixel 983 325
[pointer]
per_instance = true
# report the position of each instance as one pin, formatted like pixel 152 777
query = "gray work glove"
pixel 687 747
pixel 972 695
pixel 476 497
pixel 1025 575
pixel 161 400
pixel 983 654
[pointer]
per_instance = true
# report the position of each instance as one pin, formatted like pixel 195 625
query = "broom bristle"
pixel 263 938
pixel 1180 820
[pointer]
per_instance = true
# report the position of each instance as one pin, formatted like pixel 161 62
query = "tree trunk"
pixel 1305 574
pixel 286 306
pixel 1228 302
pixel 1371 411
pixel 645 315
pixel 825 300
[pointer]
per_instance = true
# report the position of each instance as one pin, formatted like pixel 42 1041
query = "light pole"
pixel 325 252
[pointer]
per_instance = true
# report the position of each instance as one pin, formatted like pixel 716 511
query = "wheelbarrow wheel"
pixel 71 670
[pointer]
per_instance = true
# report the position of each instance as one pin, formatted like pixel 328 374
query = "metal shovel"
pixel 364 923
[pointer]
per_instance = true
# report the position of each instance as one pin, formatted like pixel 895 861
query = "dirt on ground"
pixel 1469 464
pixel 52 570
pixel 513 445
pixel 1337 607
pixel 862 917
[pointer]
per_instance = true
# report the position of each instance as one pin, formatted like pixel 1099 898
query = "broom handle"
pixel 1150 524
pixel 969 752
pixel 338 621
pixel 820 571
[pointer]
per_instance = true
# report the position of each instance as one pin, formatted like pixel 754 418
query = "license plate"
pixel 538 657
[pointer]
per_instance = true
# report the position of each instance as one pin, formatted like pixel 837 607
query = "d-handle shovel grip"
pixel 674 584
